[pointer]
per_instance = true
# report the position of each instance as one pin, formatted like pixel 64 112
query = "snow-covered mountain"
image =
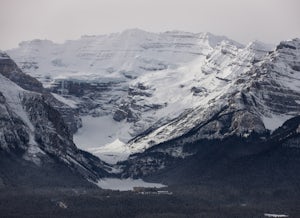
pixel 112 57
pixel 262 92
pixel 149 88
pixel 254 101
pixel 104 77
pixel 32 130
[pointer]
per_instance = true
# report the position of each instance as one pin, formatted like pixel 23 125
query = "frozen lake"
pixel 126 184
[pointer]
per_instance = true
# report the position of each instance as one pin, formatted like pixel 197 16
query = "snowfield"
pixel 103 137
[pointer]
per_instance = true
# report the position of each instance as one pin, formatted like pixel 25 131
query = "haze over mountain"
pixel 59 20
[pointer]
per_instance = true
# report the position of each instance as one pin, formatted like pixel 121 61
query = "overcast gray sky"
pixel 58 20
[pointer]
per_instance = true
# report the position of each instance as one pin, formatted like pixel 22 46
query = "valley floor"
pixel 186 201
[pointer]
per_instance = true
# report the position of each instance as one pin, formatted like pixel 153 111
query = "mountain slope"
pixel 10 70
pixel 256 99
pixel 34 134
pixel 259 162
pixel 238 126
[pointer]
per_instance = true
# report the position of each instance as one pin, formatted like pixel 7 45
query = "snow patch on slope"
pixel 274 121
pixel 99 131
pixel 69 102
pixel 103 137
pixel 112 152
pixel 13 95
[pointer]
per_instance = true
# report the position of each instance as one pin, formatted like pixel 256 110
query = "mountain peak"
pixel 214 40
pixel 289 44
pixel 134 31
pixel 36 42
pixel 260 46
pixel 4 55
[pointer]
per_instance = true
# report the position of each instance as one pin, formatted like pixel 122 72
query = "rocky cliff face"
pixel 10 70
pixel 33 130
